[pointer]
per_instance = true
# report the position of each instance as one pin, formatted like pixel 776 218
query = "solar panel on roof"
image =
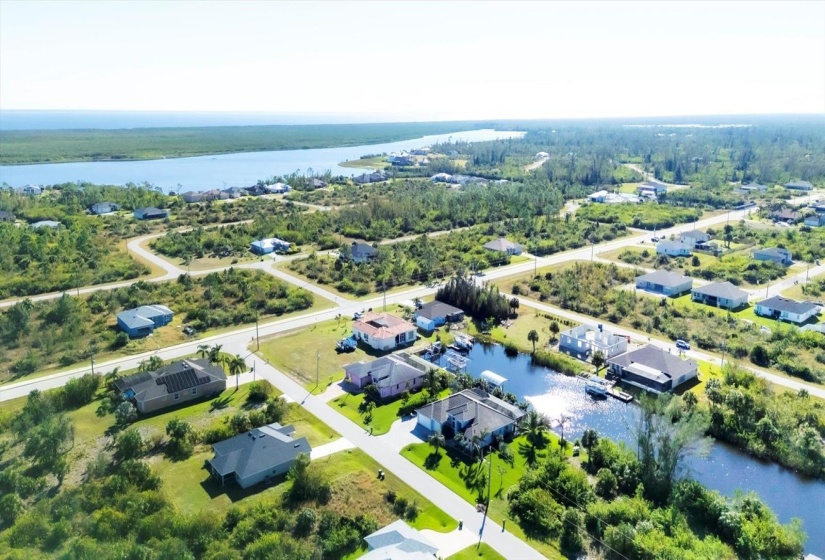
pixel 180 380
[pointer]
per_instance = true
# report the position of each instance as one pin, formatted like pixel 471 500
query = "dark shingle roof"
pixel 257 450
pixel 362 250
pixel 664 277
pixel 487 412
pixel 169 379
pixel 788 305
pixel 721 290
pixel 696 234
pixel 773 252
pixel 386 371
pixel 656 358
pixel 437 309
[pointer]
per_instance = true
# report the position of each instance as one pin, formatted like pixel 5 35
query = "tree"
pixel 598 360
pixel 535 427
pixel 203 350
pixel 236 365
pixel 129 444
pixel 533 337
pixel 589 440
pixel 181 438
pixel 690 401
pixel 214 354
pixel 571 540
pixel 437 440
pixel 48 443
pixel 125 413
pixel 606 484
pixel 554 329
pixel 154 363
pixel 366 409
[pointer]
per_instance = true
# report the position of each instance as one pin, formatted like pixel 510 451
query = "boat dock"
pixel 620 395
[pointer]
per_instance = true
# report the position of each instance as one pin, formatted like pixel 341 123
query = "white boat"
pixel 596 386
pixel 463 341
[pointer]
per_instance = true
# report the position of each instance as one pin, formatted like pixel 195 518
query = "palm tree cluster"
pixel 234 365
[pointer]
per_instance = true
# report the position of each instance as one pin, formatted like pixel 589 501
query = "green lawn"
pixel 483 551
pixel 452 470
pixel 379 162
pixel 382 417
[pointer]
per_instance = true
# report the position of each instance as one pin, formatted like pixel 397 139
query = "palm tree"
pixel 533 337
pixel 236 365
pixel 534 427
pixel 437 440
pixel 598 360
pixel 589 440
pixel 214 353
pixel 203 350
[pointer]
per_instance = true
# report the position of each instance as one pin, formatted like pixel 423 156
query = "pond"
pixel 725 469
pixel 221 171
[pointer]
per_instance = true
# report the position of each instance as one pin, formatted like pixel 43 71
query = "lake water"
pixel 726 469
pixel 221 171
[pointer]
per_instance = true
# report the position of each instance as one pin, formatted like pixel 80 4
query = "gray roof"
pixel 46 223
pixel 754 186
pixel 437 309
pixel 386 371
pixel 6 215
pixel 655 358
pixel 257 450
pixel 103 207
pixel 722 290
pixel 362 250
pixel 142 316
pixel 502 245
pixel 674 245
pixel 398 541
pixel 695 234
pixel 803 184
pixel 773 252
pixel 169 379
pixel 664 277
pixel 489 413
pixel 780 303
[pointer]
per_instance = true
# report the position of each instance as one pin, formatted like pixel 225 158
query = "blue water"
pixel 231 170
pixel 725 469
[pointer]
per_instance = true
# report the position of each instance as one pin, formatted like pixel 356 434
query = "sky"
pixel 416 60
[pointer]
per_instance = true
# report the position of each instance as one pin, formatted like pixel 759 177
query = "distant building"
pixel 267 246
pixel 473 413
pixel 400 160
pixel 664 282
pixel 651 189
pixel 32 190
pixel 173 384
pixel 256 190
pixel 366 178
pixel 720 294
pixel 786 215
pixel 45 224
pixel 256 456
pixel 441 178
pixel 799 186
pixel 277 188
pixel 151 213
pixel 399 541
pixel 192 196
pixel 383 332
pixel 502 245
pixel 778 255
pixel 6 216
pixel 673 248
pixel 585 340
pixel 143 320
pixel 653 369
pixel 694 238
pixel 752 186
pixel 815 220
pixel 434 314
pixel 392 374
pixel 235 192
pixel 784 309
pixel 316 183
pixel 99 208
pixel 421 151
pixel 540 156
pixel 359 252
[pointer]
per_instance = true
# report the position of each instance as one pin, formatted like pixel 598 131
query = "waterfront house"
pixel 366 178
pixel 694 238
pixel 720 294
pixel 673 248
pixel 799 186
pixel 359 252
pixel 151 213
pixel 653 369
pixel 784 309
pixel 172 384
pixel 256 456
pixel 270 245
pixel 815 220
pixel 398 541
pixel 391 375
pixel 383 331
pixel 99 208
pixel 585 340
pixel 46 224
pixel 473 413
pixel 664 282
pixel 779 255
pixel 143 320
pixel 32 190
pixel 434 314
pixel 502 245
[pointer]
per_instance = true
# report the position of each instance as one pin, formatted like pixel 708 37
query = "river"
pixel 725 469
pixel 221 171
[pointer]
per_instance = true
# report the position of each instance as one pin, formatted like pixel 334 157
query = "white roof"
pixel 492 377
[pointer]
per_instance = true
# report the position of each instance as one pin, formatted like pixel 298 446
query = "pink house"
pixel 383 332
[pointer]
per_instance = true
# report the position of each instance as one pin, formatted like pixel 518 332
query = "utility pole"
pixel 535 265
pixel 384 288
pixel 93 364
pixel 487 505
pixel 257 335
pixel 254 364
pixel 317 368
pixel 592 248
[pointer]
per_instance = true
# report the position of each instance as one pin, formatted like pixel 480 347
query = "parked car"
pixel 358 314
pixel 682 345
pixel 654 239
pixel 189 330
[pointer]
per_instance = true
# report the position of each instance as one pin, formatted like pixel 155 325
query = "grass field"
pixel 382 417
pixel 481 551
pixel 379 162
pixel 33 146
pixel 452 470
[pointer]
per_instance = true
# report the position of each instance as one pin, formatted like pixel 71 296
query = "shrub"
pixel 259 391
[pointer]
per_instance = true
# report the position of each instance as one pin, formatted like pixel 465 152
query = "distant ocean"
pixel 58 120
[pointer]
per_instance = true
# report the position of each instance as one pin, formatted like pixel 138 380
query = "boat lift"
pixel 455 361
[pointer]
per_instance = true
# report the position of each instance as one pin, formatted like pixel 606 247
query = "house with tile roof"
pixel 398 541
pixel 256 456
pixel 653 369
pixel 720 294
pixel 383 331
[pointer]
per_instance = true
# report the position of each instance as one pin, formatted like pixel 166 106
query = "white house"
pixel 585 340
pixel 383 332
pixel 785 309
pixel 673 248
pixel 694 238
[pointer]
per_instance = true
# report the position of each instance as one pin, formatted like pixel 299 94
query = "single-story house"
pixel 398 541
pixel 784 309
pixel 392 374
pixel 441 178
pixel 778 255
pixel 471 412
pixel 256 190
pixel 653 369
pixel 673 248
pixel 421 151
pixel 383 331
pixel 753 186
pixel 502 245
pixel 359 252
pixel 214 194
pixel 235 192
pixel 270 245
pixel 143 320
pixel 172 384
pixel 585 340
pixel 436 313
pixel 664 282
pixel 540 156
pixel 652 189
pixel 366 178
pixel 99 208
pixel 400 159
pixel 45 224
pixel 787 215
pixel 694 237
pixel 597 196
pixel 278 188
pixel 720 294
pixel 815 220
pixel 799 186
pixel 32 190
pixel 151 213
pixel 257 455
pixel 192 196
pixel 6 216
pixel 316 183
pixel 606 197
